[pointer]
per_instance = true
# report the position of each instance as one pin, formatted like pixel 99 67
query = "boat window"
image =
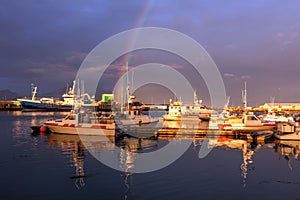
pixel 70 117
pixel 251 118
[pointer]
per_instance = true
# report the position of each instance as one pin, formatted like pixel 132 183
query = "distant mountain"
pixel 8 95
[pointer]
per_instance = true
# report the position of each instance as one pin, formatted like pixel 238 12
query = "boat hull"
pixel 38 106
pixel 242 127
pixel 287 136
pixel 82 129
pixel 181 118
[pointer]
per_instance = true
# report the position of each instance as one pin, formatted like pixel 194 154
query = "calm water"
pixel 59 167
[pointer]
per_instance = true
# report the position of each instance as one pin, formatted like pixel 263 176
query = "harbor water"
pixel 57 166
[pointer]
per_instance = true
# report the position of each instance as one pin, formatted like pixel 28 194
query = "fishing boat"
pixel 246 122
pixel 82 123
pixel 192 112
pixel 70 99
pixel 272 117
pixel 45 103
pixel 130 111
pixel 132 114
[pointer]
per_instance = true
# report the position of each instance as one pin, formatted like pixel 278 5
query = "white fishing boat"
pixel 272 117
pixel 69 96
pixel 191 112
pixel 82 124
pixel 246 122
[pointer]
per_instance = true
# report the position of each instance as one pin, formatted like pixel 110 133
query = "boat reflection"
pixel 246 146
pixel 290 149
pixel 127 149
pixel 75 147
pixel 141 131
pixel 189 127
pixel 186 125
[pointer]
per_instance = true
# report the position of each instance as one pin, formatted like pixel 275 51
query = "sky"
pixel 45 41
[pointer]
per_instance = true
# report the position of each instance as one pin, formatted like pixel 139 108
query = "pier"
pixel 10 105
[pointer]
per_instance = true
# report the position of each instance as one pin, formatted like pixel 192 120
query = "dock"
pixel 10 105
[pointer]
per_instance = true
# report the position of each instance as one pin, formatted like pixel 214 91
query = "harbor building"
pixel 281 107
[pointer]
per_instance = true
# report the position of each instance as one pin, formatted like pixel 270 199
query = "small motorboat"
pixel 246 122
pixel 287 131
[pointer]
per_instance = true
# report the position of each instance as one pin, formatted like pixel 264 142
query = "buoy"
pixel 43 128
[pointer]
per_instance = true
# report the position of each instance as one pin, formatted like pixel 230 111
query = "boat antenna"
pixel 272 101
pixel 195 97
pixel 227 102
pixel 244 96
pixel 78 92
pixel 82 86
pixel 132 80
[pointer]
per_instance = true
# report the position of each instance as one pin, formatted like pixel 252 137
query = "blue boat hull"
pixel 37 106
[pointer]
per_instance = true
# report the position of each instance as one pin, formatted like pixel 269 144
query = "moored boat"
pixel 82 124
pixel 43 104
pixel 247 122
pixel 287 131
pixel 179 111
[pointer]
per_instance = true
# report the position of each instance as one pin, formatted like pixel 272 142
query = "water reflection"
pixel 75 147
pixel 289 149
pixel 247 147
pixel 71 146
pixel 24 120
pixel 129 147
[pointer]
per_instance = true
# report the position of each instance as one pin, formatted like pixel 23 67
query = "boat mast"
pixel 33 89
pixel 73 87
pixel 244 96
pixel 127 87
pixel 195 97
